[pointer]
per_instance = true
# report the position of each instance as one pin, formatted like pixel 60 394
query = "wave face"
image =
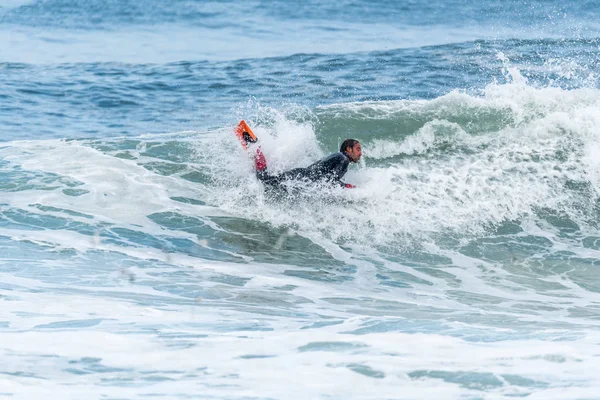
pixel 141 257
pixel 112 99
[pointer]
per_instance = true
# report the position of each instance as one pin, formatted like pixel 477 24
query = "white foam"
pixel 465 181
pixel 119 190
pixel 197 331
pixel 219 365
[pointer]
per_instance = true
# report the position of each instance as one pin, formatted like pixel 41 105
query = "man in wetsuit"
pixel 331 169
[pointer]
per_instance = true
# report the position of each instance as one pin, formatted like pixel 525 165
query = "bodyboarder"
pixel 330 169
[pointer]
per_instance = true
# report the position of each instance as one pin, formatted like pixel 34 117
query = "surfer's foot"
pixel 247 138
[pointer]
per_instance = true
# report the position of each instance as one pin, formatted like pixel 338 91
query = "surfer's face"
pixel 354 152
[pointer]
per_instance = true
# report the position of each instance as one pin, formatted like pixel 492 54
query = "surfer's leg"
pixel 260 162
pixel 293 174
pixel 265 177
pixel 270 179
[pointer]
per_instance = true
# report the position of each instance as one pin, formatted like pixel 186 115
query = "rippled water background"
pixel 139 257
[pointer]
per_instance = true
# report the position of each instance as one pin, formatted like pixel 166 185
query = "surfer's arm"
pixel 338 165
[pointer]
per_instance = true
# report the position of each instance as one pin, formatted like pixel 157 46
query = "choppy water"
pixel 140 257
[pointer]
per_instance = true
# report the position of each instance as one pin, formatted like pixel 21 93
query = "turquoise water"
pixel 140 257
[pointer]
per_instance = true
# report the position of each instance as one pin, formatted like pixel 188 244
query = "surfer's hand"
pixel 349 186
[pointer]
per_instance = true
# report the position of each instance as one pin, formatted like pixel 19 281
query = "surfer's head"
pixel 352 149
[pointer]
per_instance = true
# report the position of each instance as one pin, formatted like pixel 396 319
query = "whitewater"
pixel 140 256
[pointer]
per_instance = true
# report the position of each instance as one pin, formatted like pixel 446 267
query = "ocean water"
pixel 139 256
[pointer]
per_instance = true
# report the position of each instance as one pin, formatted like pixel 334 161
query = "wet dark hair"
pixel 348 143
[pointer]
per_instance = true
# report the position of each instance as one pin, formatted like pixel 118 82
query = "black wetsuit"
pixel 330 169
